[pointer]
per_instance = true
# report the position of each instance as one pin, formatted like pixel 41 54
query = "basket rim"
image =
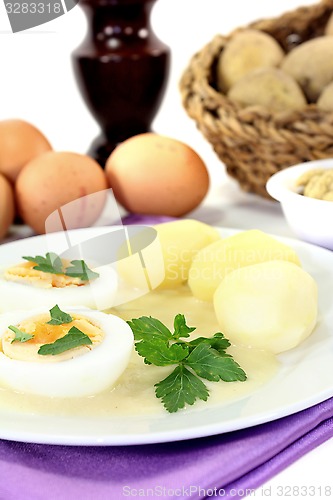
pixel 206 57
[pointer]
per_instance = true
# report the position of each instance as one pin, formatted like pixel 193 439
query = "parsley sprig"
pixel 73 338
pixel 79 269
pixel 202 358
pixel 19 335
pixel 59 317
pixel 52 263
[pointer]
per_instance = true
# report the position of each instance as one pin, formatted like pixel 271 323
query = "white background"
pixel 37 84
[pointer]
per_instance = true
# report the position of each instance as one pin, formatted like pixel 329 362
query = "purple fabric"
pixel 146 219
pixel 190 469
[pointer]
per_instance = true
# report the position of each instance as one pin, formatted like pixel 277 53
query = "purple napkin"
pixel 233 462
pixel 146 219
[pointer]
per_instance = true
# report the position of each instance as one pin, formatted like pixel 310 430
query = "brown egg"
pixel 20 142
pixel 7 210
pixel 54 179
pixel 153 174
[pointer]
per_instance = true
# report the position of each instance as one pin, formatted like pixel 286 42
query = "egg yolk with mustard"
pixel 44 333
pixel 25 273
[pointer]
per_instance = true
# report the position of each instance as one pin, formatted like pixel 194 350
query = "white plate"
pixel 304 377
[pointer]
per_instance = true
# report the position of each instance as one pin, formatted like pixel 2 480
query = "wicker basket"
pixel 252 142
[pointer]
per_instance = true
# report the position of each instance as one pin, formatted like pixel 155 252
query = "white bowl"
pixel 311 219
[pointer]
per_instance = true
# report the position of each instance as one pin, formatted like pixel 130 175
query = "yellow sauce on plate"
pixel 134 391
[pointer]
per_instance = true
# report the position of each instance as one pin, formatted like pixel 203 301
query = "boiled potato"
pixel 246 51
pixel 179 242
pixel 325 101
pixel 272 305
pixel 311 65
pixel 215 261
pixel 268 87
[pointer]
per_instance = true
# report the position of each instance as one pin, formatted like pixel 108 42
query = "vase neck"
pixel 120 20
pixel 113 3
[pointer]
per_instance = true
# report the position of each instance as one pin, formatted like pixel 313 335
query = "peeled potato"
pixel 269 87
pixel 311 65
pixel 246 51
pixel 215 261
pixel 179 242
pixel 272 305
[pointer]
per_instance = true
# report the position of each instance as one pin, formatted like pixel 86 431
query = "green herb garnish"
pixel 202 358
pixel 19 336
pixel 59 317
pixel 52 263
pixel 79 269
pixel 74 338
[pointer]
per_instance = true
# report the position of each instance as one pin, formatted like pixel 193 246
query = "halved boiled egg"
pixel 23 286
pixel 88 368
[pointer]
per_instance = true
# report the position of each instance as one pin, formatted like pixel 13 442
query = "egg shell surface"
pixel 20 142
pixel 153 174
pixel 7 207
pixel 54 179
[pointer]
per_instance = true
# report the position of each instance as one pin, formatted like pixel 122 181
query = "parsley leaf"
pixel 160 354
pixel 149 329
pixel 74 338
pixel 181 328
pixel 201 358
pixel 217 342
pixel 209 364
pixel 79 269
pixel 179 388
pixel 59 317
pixel 19 336
pixel 51 263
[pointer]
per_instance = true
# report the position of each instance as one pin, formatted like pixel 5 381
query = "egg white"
pixel 98 294
pixel 84 375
